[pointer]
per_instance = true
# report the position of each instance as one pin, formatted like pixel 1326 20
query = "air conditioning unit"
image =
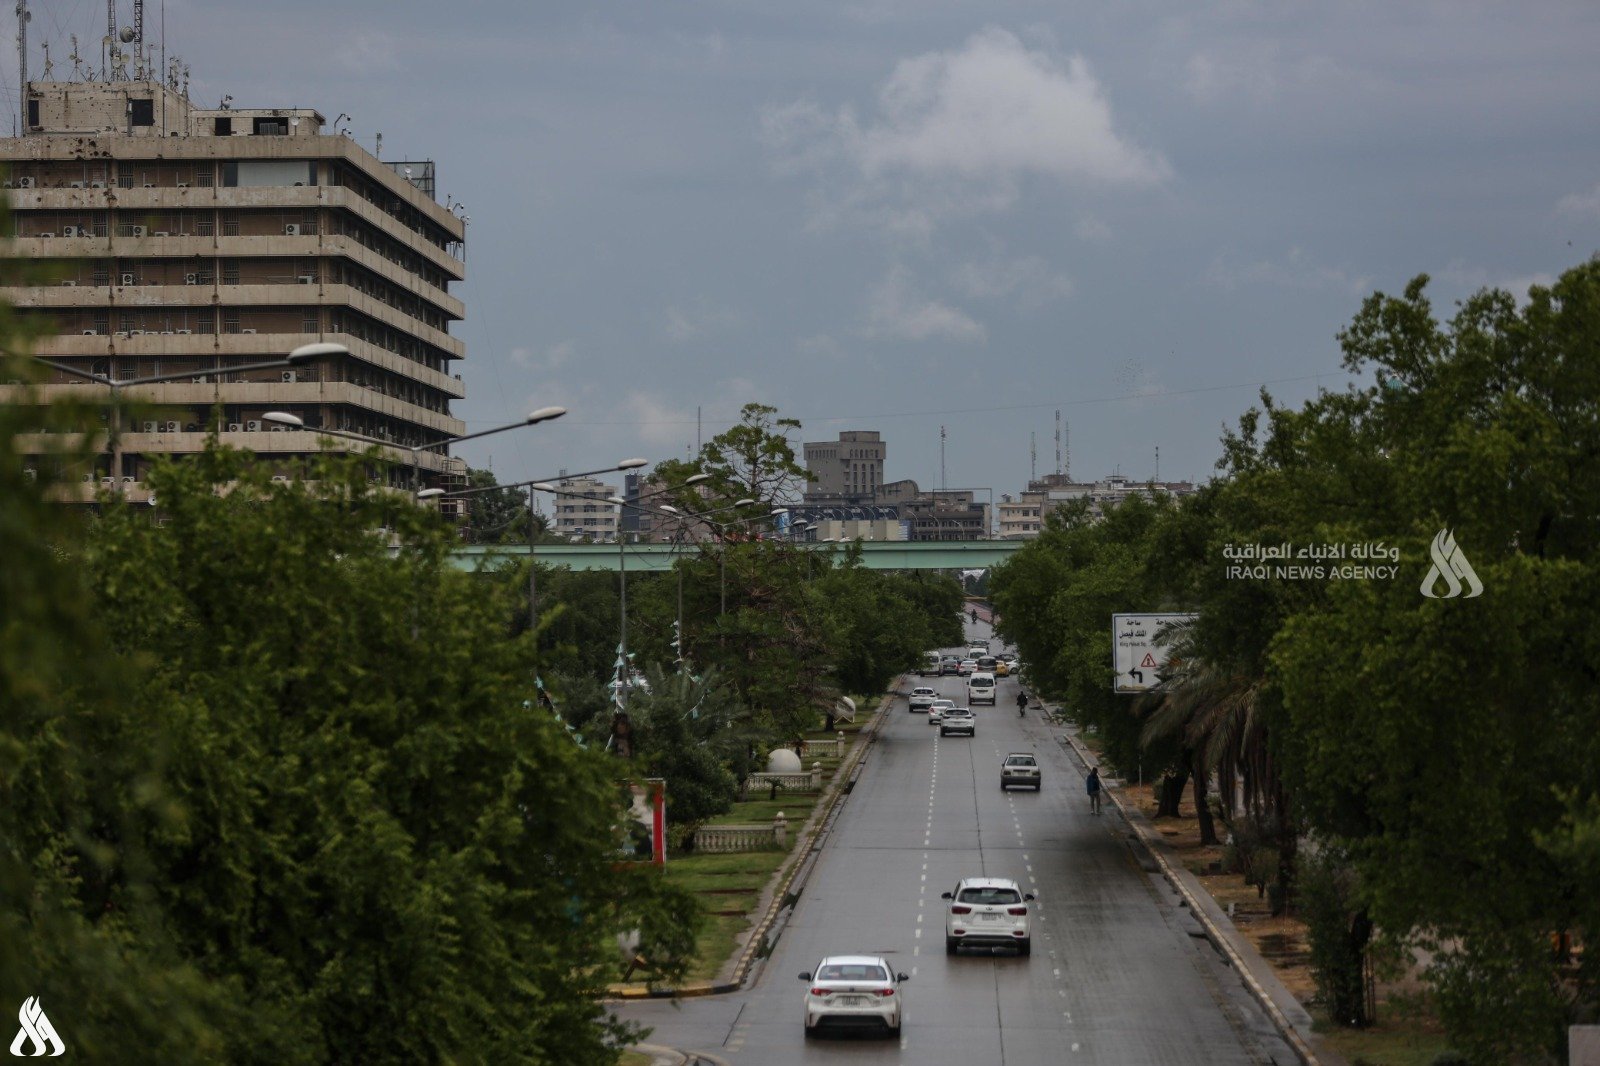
pixel 127 279
pixel 30 473
pixel 75 184
pixel 69 283
pixel 279 477
pixel 183 332
pixel 163 233
pixel 24 183
pixel 136 333
pixel 278 429
pixel 191 279
pixel 291 230
pixel 97 185
pixel 252 426
pixel 88 477
pixel 250 331
pixel 148 185
pixel 129 479
pixel 308 279
pixel 183 185
pixel 172 427
pixel 69 231
pixel 91 333
pixel 150 427
pixel 138 231
pixel 201 380
pixel 288 376
pixel 108 481
pixel 46 233
pixel 234 427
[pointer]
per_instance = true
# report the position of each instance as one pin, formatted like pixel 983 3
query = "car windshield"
pixel 1020 760
pixel 922 692
pixel 994 897
pixel 852 971
pixel 959 711
pixel 982 682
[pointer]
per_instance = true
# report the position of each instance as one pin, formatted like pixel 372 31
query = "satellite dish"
pixel 152 500
pixel 126 35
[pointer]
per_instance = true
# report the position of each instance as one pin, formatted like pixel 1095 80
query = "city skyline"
pixel 902 216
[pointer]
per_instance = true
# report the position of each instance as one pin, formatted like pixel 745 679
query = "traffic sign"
pixel 1141 647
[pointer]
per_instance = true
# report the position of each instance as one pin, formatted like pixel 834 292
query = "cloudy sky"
pixel 902 214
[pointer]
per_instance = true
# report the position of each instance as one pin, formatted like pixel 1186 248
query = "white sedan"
pixel 854 992
pixel 937 708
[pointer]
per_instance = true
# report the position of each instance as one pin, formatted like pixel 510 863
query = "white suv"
pixel 922 698
pixel 988 910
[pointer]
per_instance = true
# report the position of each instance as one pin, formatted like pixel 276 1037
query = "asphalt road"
pixel 1118 973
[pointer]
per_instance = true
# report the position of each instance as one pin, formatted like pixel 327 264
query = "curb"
pixel 790 878
pixel 1223 940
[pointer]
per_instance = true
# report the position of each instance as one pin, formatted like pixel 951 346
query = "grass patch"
pixel 719 935
pixel 796 808
pixel 740 869
pixel 1399 1042
pixel 634 1058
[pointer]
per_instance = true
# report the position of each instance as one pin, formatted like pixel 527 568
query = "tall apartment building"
pixel 848 470
pixel 169 237
pixel 582 509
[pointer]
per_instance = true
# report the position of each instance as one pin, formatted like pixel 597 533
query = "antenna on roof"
pixel 23 15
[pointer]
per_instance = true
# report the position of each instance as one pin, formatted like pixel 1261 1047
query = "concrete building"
pixel 590 516
pixel 1023 518
pixel 848 470
pixel 167 237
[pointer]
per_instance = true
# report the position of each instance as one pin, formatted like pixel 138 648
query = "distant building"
pixel 582 509
pixel 176 238
pixel 848 470
pixel 1023 518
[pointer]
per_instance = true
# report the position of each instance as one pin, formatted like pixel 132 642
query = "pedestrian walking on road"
pixel 1022 702
pixel 1094 790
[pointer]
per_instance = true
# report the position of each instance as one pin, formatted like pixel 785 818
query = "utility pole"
pixel 1033 457
pixel 1058 441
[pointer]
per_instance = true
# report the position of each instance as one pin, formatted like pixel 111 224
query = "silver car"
pixel 936 710
pixel 922 698
pixel 854 992
pixel 1020 768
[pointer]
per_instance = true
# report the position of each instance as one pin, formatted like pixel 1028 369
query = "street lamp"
pixel 303 354
pixel 543 414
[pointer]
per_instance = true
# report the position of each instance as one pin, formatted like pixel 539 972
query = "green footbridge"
pixel 875 555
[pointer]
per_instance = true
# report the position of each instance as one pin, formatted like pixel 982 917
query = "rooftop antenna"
pixel 23 15
pixel 138 41
pixel 49 67
pixel 944 482
pixel 1066 450
pixel 1058 440
pixel 1158 464
pixel 77 61
pixel 1033 457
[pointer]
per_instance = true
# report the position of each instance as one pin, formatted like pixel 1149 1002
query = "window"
pixel 222 127
pixel 994 897
pixel 141 112
pixel 270 127
pixel 33 114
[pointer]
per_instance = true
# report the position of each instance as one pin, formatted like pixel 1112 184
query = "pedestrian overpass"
pixel 875 554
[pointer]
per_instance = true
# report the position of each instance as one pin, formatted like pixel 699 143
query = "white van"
pixel 980 689
pixel 932 663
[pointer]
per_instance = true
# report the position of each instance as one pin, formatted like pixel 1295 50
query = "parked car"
pixel 990 911
pixel 922 698
pixel 958 720
pixel 1020 768
pixel 937 709
pixel 981 689
pixel 854 992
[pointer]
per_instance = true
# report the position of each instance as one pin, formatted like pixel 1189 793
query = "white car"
pixel 958 720
pixel 980 688
pixel 988 911
pixel 1020 768
pixel 936 710
pixel 854 992
pixel 922 698
pixel 966 666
